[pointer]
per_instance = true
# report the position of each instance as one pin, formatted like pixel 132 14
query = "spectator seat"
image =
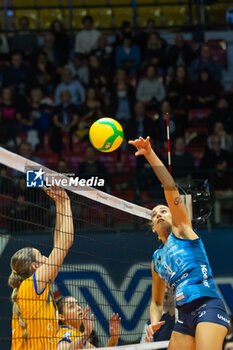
pixel 21 3
pixel 102 17
pixel 77 17
pixel 198 116
pixel 95 2
pixel 174 15
pixel 47 17
pixel 47 3
pixel 218 50
pixel 74 2
pixel 121 14
pixel 146 12
pixel 216 13
pixel 120 2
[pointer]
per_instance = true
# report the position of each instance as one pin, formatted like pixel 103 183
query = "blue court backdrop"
pixel 111 273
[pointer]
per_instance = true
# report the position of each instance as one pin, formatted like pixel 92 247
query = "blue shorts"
pixel 201 310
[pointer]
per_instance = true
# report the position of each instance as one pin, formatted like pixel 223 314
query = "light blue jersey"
pixel 184 266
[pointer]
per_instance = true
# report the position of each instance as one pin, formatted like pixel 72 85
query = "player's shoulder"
pixel 66 332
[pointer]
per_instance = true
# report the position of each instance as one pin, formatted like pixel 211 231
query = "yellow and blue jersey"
pixel 67 334
pixel 39 311
pixel 184 266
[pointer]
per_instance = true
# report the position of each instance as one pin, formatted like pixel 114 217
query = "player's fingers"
pixel 148 338
pixel 86 311
pixel 131 142
pixel 151 331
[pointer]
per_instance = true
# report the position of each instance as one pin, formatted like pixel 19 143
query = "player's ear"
pixel 153 229
pixel 34 266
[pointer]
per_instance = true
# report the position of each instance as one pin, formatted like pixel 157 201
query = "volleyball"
pixel 106 134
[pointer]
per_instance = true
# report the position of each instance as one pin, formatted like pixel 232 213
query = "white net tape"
pixel 143 346
pixel 21 164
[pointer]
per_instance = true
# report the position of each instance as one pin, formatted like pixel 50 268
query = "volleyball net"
pixel 108 266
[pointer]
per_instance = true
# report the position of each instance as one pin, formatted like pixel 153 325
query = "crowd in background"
pixel 54 84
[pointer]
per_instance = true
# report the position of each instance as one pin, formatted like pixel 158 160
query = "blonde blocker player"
pixel 35 319
pixel 181 263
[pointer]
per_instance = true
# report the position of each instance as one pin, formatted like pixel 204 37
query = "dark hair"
pixel 14 53
pixel 149 66
pixel 24 18
pixel 207 71
pixel 150 20
pixel 43 53
pixel 87 18
pixel 125 24
pixel 52 27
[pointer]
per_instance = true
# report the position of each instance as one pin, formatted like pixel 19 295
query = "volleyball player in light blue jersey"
pixel 181 263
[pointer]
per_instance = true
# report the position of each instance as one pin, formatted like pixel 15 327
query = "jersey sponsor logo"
pixel 169 270
pixel 178 252
pixel 220 317
pixel 185 275
pixel 67 334
pixel 202 314
pixel 205 275
pixel 180 321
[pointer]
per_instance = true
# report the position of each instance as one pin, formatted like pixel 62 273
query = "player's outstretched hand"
pixel 58 194
pixel 115 327
pixel 151 329
pixel 143 146
pixel 88 321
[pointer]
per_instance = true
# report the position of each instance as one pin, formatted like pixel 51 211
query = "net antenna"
pixel 186 198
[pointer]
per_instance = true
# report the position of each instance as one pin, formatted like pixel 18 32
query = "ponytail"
pixel 20 264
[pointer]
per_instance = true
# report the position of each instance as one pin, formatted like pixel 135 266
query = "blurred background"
pixel 63 65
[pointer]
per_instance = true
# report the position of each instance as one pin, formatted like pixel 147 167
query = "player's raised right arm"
pixel 63 238
pixel 179 214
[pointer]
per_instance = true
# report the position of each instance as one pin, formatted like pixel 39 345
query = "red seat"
pixel 199 114
pixel 218 50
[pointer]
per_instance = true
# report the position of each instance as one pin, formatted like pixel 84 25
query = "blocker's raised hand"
pixel 143 146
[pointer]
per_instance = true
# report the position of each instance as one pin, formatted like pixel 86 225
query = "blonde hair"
pixel 20 265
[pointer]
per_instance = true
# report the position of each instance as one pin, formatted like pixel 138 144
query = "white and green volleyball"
pixel 106 134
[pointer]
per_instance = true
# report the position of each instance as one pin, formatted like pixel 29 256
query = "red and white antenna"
pixel 168 144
